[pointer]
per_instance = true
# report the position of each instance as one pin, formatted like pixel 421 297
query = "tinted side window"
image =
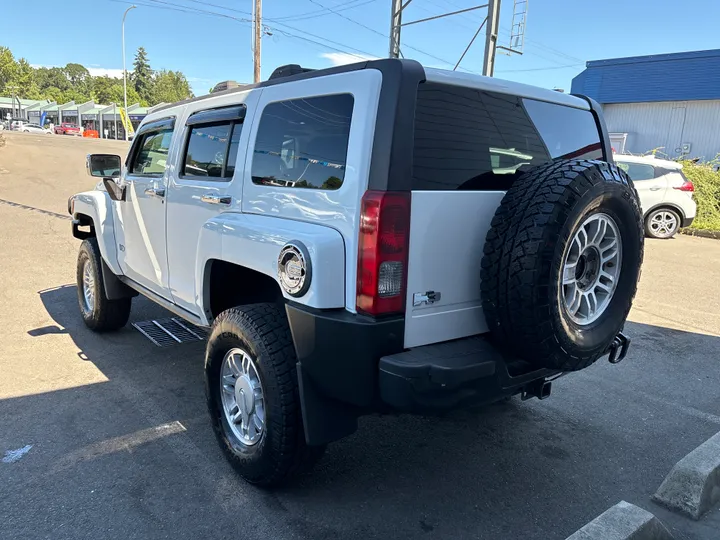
pixel 207 151
pixel 637 171
pixel 303 143
pixel 471 139
pixel 152 152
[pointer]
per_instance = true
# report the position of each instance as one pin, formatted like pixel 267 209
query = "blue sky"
pixel 560 36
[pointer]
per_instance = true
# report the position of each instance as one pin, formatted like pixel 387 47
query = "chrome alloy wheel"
pixel 663 224
pixel 242 396
pixel 591 269
pixel 88 287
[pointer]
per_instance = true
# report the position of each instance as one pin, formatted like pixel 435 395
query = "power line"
pixel 381 34
pixel 344 6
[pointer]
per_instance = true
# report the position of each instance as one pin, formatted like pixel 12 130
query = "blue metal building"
pixel 669 102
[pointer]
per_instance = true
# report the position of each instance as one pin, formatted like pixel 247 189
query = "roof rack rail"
pixel 288 70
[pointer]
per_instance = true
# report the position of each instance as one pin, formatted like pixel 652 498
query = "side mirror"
pixel 103 165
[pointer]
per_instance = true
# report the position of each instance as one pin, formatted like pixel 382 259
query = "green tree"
pixel 8 69
pixel 27 88
pixel 51 78
pixel 109 90
pixel 142 75
pixel 170 86
pixel 331 183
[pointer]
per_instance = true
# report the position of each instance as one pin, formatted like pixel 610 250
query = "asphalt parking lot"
pixel 122 448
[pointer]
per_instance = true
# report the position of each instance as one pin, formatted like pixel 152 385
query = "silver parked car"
pixel 35 128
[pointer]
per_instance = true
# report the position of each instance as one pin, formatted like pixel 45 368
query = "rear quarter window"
pixel 467 138
pixel 303 143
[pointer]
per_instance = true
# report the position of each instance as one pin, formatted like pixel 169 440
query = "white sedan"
pixel 666 195
pixel 35 128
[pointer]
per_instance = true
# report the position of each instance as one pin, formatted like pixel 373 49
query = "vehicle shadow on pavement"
pixel 535 469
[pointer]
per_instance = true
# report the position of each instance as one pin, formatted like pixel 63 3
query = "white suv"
pixel 368 238
pixel 666 195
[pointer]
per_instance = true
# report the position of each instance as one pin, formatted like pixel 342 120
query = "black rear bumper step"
pixel 465 371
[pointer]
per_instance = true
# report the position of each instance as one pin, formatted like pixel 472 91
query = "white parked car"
pixel 666 195
pixel 368 238
pixel 35 128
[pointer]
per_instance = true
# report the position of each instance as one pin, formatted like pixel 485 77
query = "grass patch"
pixel 707 194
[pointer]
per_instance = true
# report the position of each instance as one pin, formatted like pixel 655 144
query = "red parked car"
pixel 67 129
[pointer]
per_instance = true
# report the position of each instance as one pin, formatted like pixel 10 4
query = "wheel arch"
pixel 93 209
pixel 665 205
pixel 227 284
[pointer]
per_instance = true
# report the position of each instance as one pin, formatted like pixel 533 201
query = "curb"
pixel 624 521
pixel 693 485
pixel 715 235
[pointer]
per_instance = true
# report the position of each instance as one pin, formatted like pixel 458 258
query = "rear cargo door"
pixel 470 145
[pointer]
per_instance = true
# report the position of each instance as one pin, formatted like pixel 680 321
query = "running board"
pixel 171 331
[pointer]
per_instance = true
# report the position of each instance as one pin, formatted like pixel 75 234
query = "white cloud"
pixel 95 71
pixel 340 59
pixel 110 72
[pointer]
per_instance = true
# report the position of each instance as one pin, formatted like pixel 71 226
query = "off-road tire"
pixel 105 315
pixel 523 259
pixel 262 331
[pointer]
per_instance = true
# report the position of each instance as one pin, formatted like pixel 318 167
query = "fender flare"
pixel 97 206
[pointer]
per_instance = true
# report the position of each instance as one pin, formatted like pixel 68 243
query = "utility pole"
pixel 13 88
pixel 491 37
pixel 258 39
pixel 124 70
pixel 395 25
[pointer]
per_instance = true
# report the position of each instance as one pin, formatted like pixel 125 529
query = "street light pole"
pixel 124 70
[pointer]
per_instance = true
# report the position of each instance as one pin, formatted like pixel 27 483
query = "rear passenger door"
pixel 651 190
pixel 203 184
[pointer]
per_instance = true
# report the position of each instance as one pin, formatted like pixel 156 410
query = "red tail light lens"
pixel 687 185
pixel 382 252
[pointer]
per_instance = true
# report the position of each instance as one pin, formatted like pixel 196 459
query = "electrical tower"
pixel 491 24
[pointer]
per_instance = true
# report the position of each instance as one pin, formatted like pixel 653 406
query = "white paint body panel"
pixel 98 206
pixel 447 235
pixel 187 215
pixel 337 209
pixel 255 242
pixel 141 232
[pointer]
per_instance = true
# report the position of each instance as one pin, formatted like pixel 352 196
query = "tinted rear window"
pixel 471 139
pixel 303 143
pixel 637 171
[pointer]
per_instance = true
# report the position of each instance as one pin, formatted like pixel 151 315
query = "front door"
pixel 203 185
pixel 140 233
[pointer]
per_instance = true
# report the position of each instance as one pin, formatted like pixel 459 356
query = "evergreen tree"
pixel 142 76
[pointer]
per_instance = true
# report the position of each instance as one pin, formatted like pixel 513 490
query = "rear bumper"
pixel 350 365
pixel 686 222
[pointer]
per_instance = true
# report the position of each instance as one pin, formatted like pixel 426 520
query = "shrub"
pixel 706 178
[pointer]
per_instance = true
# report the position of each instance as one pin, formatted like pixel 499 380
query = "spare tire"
pixel 561 263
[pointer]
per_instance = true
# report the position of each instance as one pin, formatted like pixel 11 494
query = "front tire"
pixel 98 312
pixel 662 223
pixel 252 394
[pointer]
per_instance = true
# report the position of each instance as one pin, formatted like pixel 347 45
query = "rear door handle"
pixel 211 198
pixel 655 188
pixel 155 192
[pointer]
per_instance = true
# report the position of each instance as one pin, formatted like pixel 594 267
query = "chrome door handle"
pixel 215 199
pixel 155 192
pixel 655 188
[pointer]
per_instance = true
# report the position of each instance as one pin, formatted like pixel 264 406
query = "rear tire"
pixel 98 313
pixel 273 449
pixel 550 244
pixel 662 223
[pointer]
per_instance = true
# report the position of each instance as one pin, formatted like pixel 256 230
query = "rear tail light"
pixel 687 185
pixel 383 252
